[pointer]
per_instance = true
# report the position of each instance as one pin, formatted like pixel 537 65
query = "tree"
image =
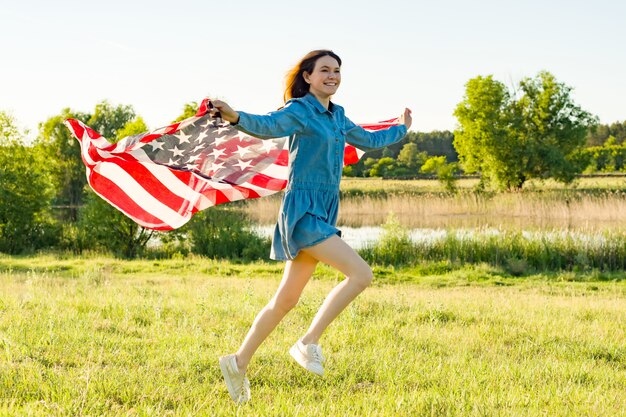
pixel 25 192
pixel 482 139
pixel 435 143
pixel 9 132
pixel 600 134
pixel 62 150
pixel 189 110
pixel 409 155
pixel 444 171
pixel 133 127
pixel 106 226
pixel 108 119
pixel 510 140
pixel 388 167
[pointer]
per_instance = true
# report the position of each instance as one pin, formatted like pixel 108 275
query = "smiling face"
pixel 325 78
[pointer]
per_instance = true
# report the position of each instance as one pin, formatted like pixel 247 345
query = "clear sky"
pixel 157 55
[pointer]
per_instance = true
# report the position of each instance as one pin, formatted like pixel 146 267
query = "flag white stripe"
pixel 187 191
pixel 260 190
pixel 150 204
pixel 141 221
pixel 276 171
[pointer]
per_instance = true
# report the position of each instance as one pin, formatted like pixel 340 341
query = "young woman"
pixel 305 233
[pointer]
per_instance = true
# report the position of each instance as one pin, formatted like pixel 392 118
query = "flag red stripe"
pixel 267 182
pixel 283 158
pixel 116 196
pixel 350 156
pixel 247 192
pixel 152 185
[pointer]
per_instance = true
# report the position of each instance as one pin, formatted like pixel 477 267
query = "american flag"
pixel 161 178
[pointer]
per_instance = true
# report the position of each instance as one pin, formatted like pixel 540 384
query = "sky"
pixel 158 55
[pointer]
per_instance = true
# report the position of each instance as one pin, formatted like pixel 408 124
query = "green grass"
pixel 517 252
pixel 99 336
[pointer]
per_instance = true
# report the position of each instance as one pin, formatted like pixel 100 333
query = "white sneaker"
pixel 309 357
pixel 237 383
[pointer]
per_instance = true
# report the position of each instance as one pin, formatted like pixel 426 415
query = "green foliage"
pixel 108 119
pixel 224 233
pixel 510 140
pixel 349 171
pixel 394 246
pixel 410 153
pixel 411 157
pixel 445 172
pixel 62 153
pixel 515 252
pixel 25 193
pixel 9 132
pixel 483 127
pixel 62 150
pixel 603 134
pixel 133 127
pixel 388 167
pixel 435 143
pixel 607 158
pixel 189 110
pixel 103 227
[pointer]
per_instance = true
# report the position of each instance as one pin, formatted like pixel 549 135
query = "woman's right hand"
pixel 225 110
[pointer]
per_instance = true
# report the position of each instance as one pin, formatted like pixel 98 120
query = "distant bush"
pixel 444 171
pixel 608 158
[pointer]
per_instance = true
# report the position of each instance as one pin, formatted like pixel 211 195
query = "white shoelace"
pixel 317 354
pixel 245 387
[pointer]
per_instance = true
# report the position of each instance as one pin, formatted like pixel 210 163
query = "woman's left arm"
pixel 367 141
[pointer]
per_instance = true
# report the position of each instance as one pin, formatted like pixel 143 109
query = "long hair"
pixel 296 86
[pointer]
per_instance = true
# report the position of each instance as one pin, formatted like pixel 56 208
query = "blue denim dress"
pixel 309 208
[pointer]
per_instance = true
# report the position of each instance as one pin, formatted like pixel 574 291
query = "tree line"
pixel 507 136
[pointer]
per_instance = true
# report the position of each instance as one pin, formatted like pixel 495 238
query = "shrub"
pixel 394 246
pixel 102 226
pixel 225 233
pixel 25 194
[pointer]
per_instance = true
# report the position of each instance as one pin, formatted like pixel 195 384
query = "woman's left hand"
pixel 406 119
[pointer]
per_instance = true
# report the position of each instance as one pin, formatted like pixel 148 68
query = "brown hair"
pixel 296 86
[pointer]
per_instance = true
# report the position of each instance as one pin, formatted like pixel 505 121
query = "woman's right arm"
pixel 284 122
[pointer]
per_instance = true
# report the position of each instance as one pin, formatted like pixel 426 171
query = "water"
pixel 356 237
pixel 360 237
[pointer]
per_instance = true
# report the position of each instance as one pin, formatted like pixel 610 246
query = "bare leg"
pixel 297 274
pixel 338 254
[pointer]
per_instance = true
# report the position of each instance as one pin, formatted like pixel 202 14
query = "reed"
pixel 598 210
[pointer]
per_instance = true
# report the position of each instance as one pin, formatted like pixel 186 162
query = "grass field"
pixel 99 336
